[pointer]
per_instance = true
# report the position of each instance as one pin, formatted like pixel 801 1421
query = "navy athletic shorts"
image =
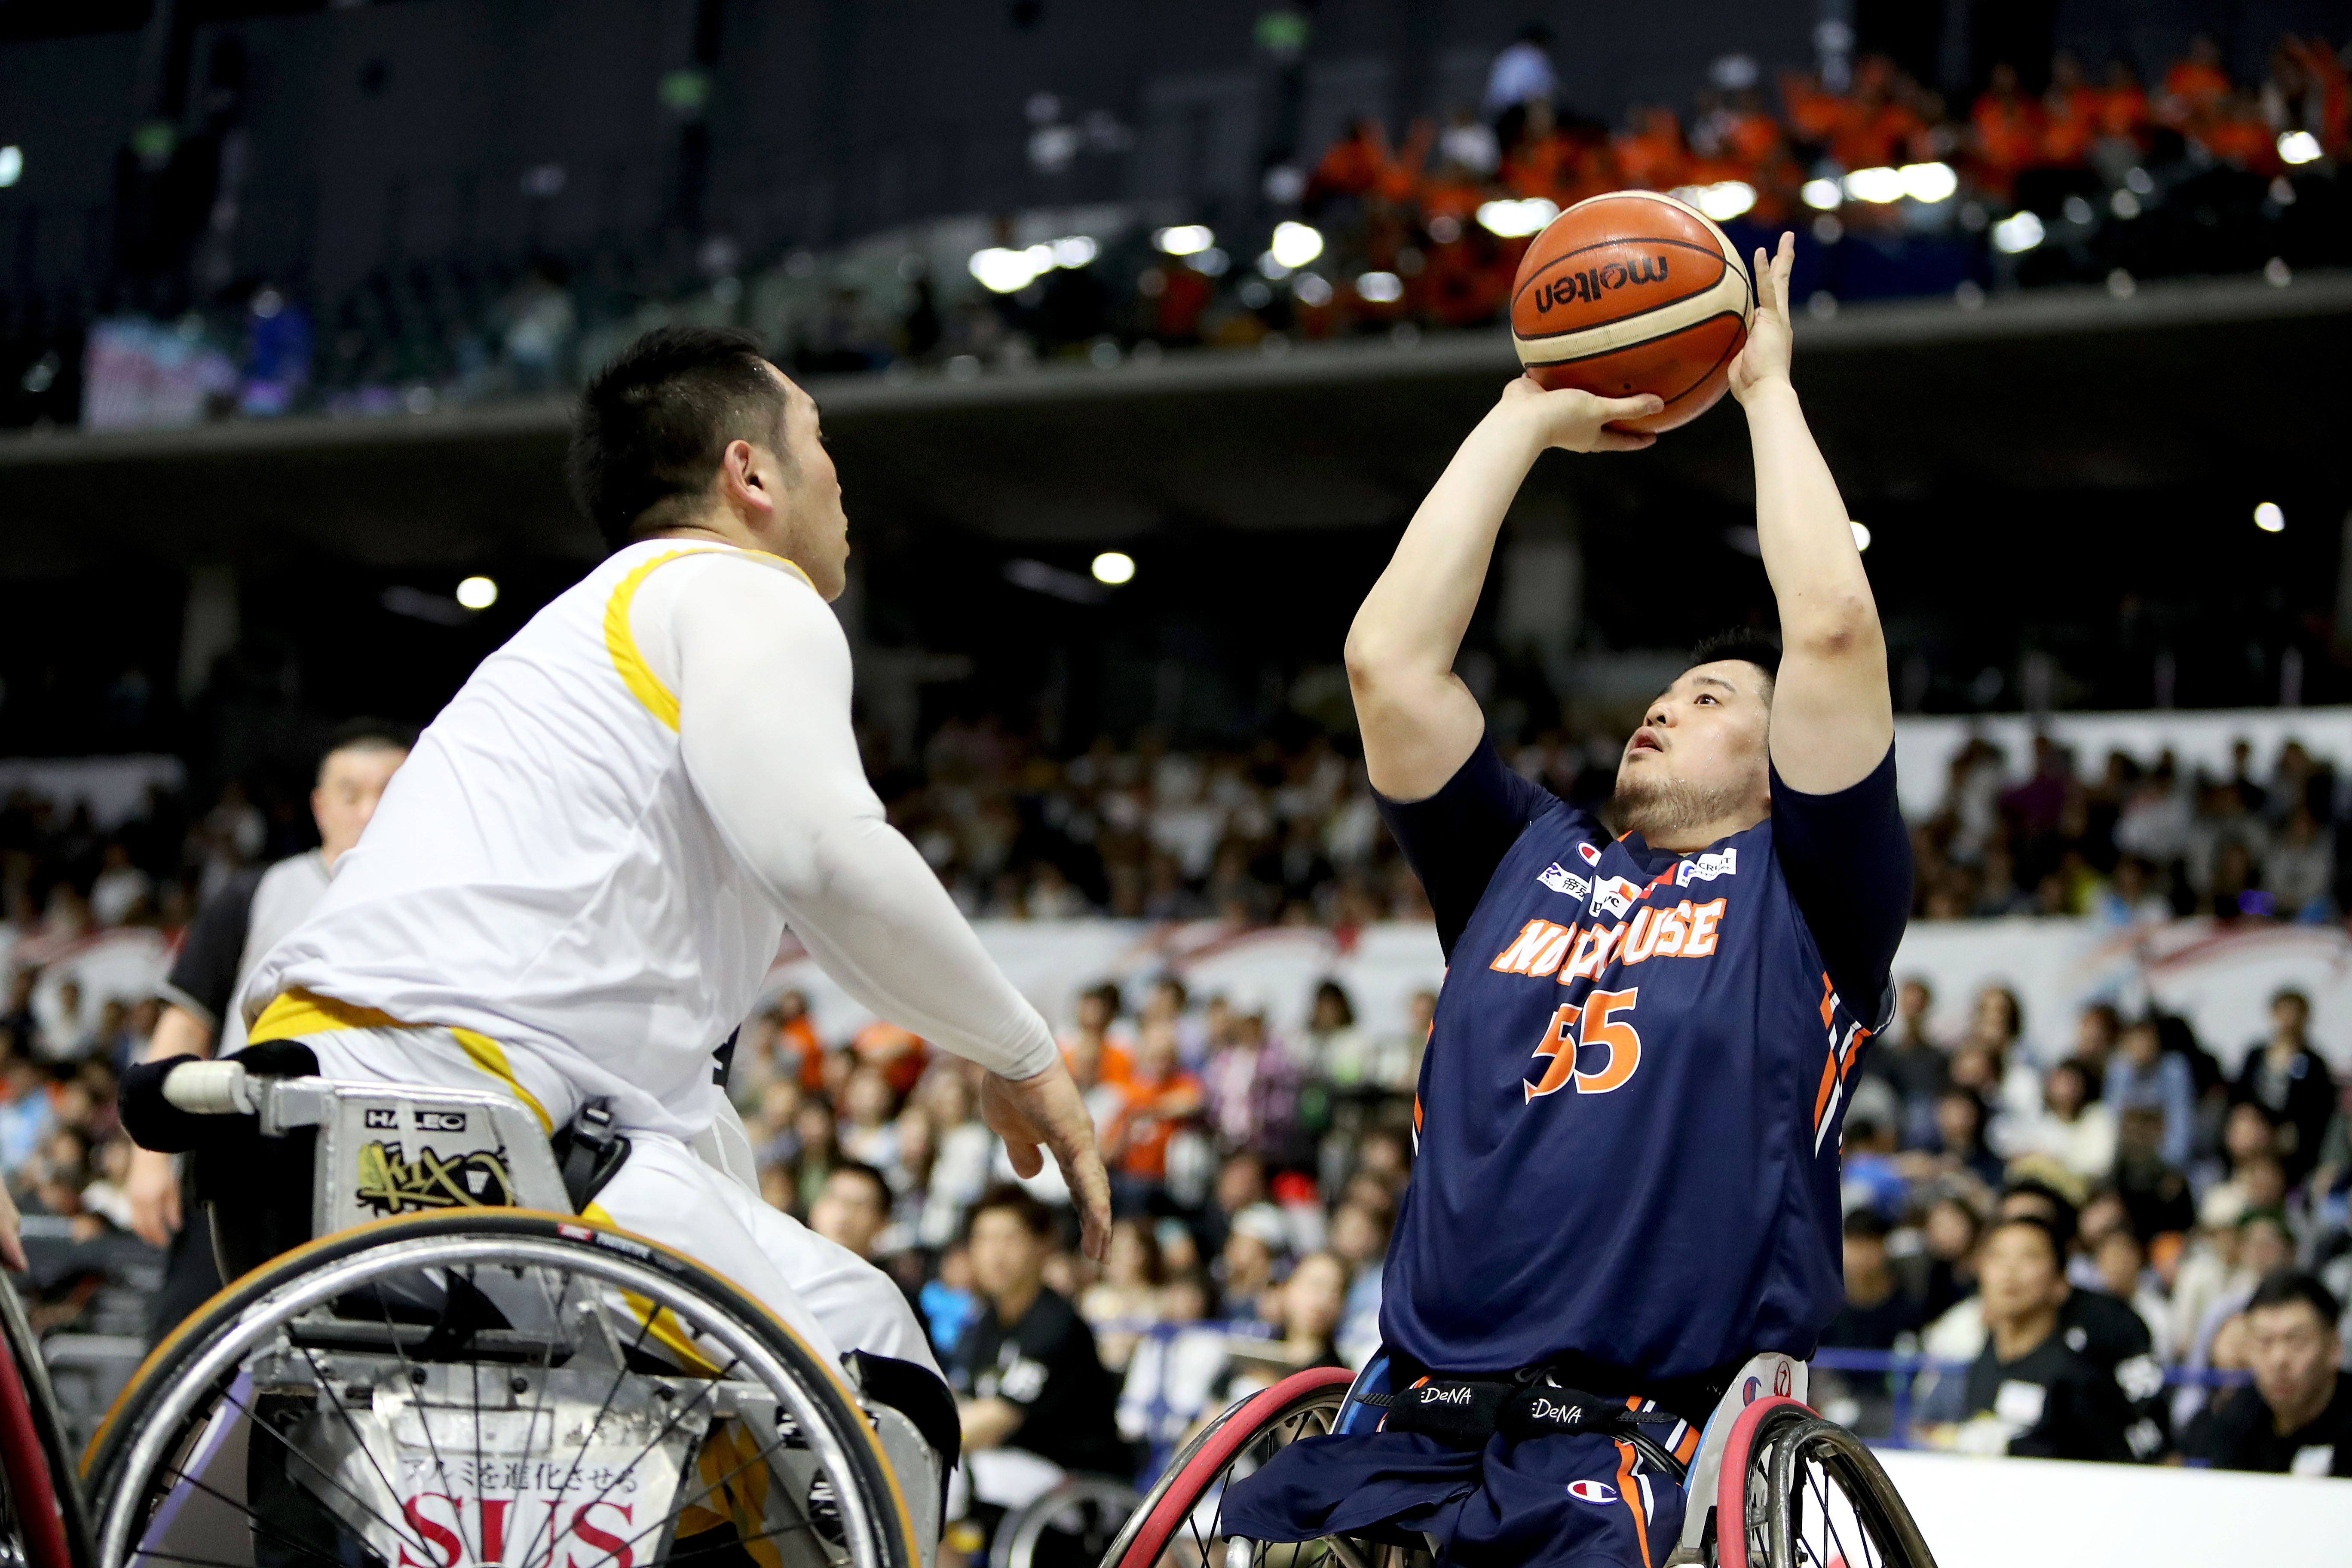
pixel 1584 1499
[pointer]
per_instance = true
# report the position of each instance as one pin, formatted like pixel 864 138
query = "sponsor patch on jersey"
pixel 1614 895
pixel 1559 879
pixel 1590 852
pixel 1707 868
pixel 1598 1492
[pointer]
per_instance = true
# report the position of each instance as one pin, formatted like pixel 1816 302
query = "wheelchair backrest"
pixel 393 1149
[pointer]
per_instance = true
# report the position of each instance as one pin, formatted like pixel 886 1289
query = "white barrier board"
pixel 2054 1513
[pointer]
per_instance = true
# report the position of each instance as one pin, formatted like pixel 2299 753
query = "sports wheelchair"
pixel 457 1371
pixel 1772 1484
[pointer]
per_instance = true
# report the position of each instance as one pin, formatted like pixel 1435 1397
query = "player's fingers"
pixel 1782 266
pixel 1092 1189
pixel 1607 440
pixel 1026 1159
pixel 11 1250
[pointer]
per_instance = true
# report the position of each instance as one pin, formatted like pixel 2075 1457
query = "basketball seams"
pixel 1604 353
pixel 1724 297
pixel 1695 295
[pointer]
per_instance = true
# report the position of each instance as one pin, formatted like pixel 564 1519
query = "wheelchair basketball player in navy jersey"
pixel 1628 1115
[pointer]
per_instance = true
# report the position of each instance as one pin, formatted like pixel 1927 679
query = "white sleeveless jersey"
pixel 541 872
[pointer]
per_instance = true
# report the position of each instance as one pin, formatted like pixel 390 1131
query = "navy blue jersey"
pixel 1628 1113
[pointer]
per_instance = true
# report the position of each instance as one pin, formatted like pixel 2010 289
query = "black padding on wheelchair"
pixel 917 1393
pixel 155 1122
pixel 589 1153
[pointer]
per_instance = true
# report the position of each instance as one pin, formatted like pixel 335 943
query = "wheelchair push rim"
pixel 42 1513
pixel 1801 1492
pixel 187 1394
pixel 1303 1405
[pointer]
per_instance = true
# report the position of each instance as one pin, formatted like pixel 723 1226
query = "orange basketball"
pixel 1629 293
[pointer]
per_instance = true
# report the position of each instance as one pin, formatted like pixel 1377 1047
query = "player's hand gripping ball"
pixel 1632 293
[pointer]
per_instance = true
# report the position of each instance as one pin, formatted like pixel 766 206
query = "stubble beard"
pixel 1669 808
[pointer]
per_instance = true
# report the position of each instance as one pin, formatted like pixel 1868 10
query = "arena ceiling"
pixel 2182 384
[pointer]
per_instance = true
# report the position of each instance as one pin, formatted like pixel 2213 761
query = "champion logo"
pixel 1598 1492
pixel 1591 854
pixel 1560 879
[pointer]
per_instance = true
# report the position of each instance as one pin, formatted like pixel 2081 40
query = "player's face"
pixel 2290 1351
pixel 815 530
pixel 350 783
pixel 1699 755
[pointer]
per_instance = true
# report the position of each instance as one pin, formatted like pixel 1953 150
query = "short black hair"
pixel 1866 1224
pixel 866 1172
pixel 366 735
pixel 1761 649
pixel 2034 1222
pixel 653 424
pixel 2063 1219
pixel 2283 1286
pixel 1021 1203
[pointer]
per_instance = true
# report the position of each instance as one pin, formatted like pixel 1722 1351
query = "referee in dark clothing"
pixel 239 924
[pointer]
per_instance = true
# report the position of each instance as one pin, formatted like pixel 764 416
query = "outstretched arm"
pixel 1833 715
pixel 1418 721
pixel 763 677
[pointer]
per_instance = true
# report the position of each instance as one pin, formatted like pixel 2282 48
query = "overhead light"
pixel 1073 250
pixel 2269 518
pixel 1722 201
pixel 1113 567
pixel 1861 535
pixel 1004 271
pixel 1379 287
pixel 2298 147
pixel 1273 271
pixel 2017 233
pixel 1874 184
pixel 1296 244
pixel 12 165
pixel 1184 238
pixel 478 593
pixel 1822 196
pixel 1516 219
pixel 1210 263
pixel 1929 182
pixel 1311 289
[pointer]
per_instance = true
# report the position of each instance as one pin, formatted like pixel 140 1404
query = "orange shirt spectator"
pixel 1451 193
pixel 2237 133
pixel 1354 165
pixel 1814 114
pixel 1751 136
pixel 2123 105
pixel 2197 86
pixel 1874 135
pixel 1399 175
pixel 2325 71
pixel 899 1054
pixel 2007 130
pixel 1650 156
pixel 797 1035
pixel 1158 1099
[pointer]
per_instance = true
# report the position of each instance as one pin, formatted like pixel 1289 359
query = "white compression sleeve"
pixel 763 677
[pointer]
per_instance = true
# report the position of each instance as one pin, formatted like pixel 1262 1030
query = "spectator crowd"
pixel 2184 167
pixel 1257 1168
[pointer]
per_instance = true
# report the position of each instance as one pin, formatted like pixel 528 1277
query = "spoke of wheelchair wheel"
pixel 327 1475
pixel 546 1372
pixel 713 1490
pixel 258 1522
pixel 710 1389
pixel 408 1370
pixel 619 1374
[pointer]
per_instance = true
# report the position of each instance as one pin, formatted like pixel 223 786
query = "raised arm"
pixel 1419 722
pixel 761 673
pixel 1833 715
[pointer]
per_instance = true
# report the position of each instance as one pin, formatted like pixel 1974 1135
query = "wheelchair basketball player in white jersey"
pixel 572 891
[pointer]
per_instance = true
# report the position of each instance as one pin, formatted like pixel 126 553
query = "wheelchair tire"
pixel 1085 1511
pixel 41 1516
pixel 1783 1463
pixel 159 1412
pixel 1304 1400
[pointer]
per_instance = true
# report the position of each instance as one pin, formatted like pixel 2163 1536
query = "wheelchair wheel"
pixel 42 1521
pixel 1068 1526
pixel 485 1387
pixel 1178 1526
pixel 1798 1492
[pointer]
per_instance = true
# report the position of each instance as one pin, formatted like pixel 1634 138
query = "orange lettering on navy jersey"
pixel 1642 935
pixel 1673 924
pixel 1700 943
pixel 1601 1027
pixel 1579 955
pixel 1519 958
pixel 1558 1044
